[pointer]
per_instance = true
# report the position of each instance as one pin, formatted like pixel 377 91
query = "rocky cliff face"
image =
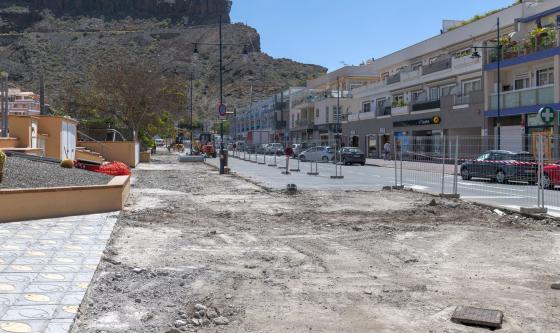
pixel 18 15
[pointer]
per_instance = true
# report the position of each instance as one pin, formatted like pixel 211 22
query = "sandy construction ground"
pixel 255 260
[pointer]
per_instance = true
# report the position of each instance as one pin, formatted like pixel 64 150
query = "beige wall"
pixel 114 151
pixel 20 127
pixel 27 204
pixel 52 127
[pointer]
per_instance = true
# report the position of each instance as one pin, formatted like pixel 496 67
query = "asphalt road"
pixel 357 177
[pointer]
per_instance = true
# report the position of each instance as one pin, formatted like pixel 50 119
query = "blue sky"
pixel 329 32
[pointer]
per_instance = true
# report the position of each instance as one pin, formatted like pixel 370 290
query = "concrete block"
pixel 555 286
pixel 479 317
pixel 449 196
pixel 533 210
pixel 191 159
pixel 337 177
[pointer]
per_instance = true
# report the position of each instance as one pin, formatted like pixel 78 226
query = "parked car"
pixel 160 142
pixel 502 166
pixel 297 149
pixel 551 176
pixel 351 155
pixel 262 148
pixel 274 148
pixel 315 154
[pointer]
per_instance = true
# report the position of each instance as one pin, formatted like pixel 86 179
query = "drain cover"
pixel 479 317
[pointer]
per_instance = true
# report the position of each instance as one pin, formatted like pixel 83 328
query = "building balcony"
pixel 305 124
pixel 474 97
pixel 465 62
pixel 437 66
pixel 411 75
pixel 361 116
pixel 399 110
pixel 524 97
pixel 394 79
pixel 425 105
pixel 526 47
pixel 383 111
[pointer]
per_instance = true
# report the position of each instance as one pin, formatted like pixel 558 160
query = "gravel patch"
pixel 23 173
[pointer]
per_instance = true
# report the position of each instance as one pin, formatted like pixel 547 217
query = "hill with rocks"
pixel 64 39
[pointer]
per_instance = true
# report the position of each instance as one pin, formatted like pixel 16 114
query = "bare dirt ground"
pixel 333 261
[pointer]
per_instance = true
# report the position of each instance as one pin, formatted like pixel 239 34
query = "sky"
pixel 333 33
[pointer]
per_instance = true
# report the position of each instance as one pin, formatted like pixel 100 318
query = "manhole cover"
pixel 480 317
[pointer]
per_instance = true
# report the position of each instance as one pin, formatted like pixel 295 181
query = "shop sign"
pixel 547 114
pixel 435 120
pixel 534 120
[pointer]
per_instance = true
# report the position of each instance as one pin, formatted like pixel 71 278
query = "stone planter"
pixel 145 157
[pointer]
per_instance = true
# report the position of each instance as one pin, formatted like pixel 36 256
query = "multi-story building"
pixel 22 103
pixel 265 120
pixel 318 111
pixel 528 79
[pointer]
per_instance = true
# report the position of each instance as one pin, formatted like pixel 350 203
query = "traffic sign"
pixel 222 110
pixel 547 114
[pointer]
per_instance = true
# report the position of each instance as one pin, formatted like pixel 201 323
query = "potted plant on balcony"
pixel 541 38
pixel 2 162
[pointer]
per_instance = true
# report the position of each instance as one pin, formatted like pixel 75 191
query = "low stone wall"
pixel 8 142
pixel 41 203
pixel 127 152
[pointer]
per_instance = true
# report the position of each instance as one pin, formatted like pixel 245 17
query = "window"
pixel 521 81
pixel 317 113
pixel 366 107
pixel 448 89
pixel 337 113
pixel 327 114
pixel 380 106
pixel 416 66
pixel 470 86
pixel 398 100
pixel 434 93
pixel 416 95
pixel 545 76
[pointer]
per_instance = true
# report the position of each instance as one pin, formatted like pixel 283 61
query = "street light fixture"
pixel 4 103
pixel 221 106
pixel 476 55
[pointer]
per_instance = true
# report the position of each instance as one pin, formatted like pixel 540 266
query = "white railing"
pixel 399 110
pixel 412 75
pixel 524 97
pixel 467 61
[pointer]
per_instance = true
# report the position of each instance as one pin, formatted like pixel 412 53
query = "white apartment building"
pixel 435 87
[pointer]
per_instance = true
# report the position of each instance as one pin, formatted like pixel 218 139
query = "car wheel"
pixel 325 159
pixel 344 161
pixel 501 177
pixel 363 163
pixel 465 175
pixel 547 182
pixel 302 158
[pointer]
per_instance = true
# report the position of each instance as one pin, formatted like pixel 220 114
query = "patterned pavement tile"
pixel 45 269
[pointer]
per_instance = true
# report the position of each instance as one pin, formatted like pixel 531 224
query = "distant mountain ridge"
pixel 18 15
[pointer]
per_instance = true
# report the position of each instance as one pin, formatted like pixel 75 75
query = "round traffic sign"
pixel 222 110
pixel 547 114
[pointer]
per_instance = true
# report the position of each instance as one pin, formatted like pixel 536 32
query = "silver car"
pixel 315 154
pixel 274 148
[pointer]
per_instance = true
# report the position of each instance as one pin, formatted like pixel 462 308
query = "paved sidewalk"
pixel 45 269
pixel 418 166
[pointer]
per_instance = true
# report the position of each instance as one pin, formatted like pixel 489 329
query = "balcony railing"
pixel 304 123
pixel 525 97
pixel 437 66
pixel 528 46
pixel 394 79
pixel 425 105
pixel 410 75
pixel 466 61
pixel 383 111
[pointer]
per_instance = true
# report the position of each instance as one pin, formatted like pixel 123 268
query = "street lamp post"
pixel 498 49
pixel 221 106
pixel 191 110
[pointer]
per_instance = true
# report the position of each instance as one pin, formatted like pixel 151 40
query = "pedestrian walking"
pixel 386 151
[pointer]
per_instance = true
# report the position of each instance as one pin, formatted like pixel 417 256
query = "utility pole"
pixel 191 110
pixel 41 95
pixel 498 123
pixel 222 157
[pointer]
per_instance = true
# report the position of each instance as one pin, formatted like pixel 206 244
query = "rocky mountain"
pixel 57 39
pixel 18 15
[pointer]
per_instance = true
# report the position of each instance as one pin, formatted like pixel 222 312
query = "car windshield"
pixel 353 150
pixel 330 150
